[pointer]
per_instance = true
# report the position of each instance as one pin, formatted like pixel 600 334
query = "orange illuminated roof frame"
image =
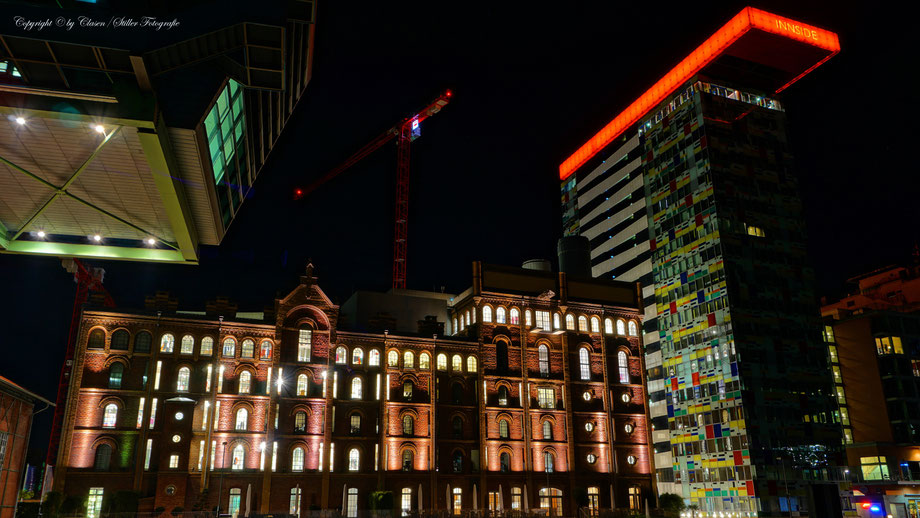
pixel 748 19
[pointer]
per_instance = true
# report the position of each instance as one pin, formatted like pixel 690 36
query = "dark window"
pixel 407 460
pixel 103 457
pixel 457 425
pixel 503 396
pixel 505 462
pixel 120 340
pixel 501 356
pixel 96 339
pixel 457 391
pixel 116 372
pixel 458 462
pixel 142 342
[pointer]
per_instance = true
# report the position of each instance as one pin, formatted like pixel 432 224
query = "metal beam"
pixel 89 118
pixel 159 157
pixel 97 252
pixel 4 237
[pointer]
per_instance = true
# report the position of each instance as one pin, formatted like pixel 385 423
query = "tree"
pixel 51 505
pixel 672 503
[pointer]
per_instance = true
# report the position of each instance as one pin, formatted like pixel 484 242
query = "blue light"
pixel 875 508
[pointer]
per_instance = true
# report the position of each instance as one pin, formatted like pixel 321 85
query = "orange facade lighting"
pixel 747 20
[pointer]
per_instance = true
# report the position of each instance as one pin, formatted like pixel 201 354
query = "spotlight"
pixel 97 238
pixel 150 241
pixel 20 121
pixel 99 128
pixel 41 234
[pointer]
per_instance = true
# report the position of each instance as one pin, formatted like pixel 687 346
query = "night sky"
pixel 532 81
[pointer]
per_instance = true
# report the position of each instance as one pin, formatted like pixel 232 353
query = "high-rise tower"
pixel 691 191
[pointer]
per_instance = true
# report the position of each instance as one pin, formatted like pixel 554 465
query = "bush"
pixel 51 505
pixel 73 504
pixel 381 501
pixel 671 502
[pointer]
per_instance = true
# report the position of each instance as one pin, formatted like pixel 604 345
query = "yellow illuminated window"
pixel 754 231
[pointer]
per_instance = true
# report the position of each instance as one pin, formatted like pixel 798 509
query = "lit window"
pixel 586 395
pixel 182 379
pixel 247 350
pixel 354 460
pixel 502 396
pixel 407 460
pixel 500 315
pixel 300 421
pixel 889 345
pixel 754 231
pixel 297 457
pixel 304 344
pixel 516 498
pixel 621 327
pixel 302 384
pixel 503 429
pixel 173 461
pixel 457 362
pixel 442 362
pixel 457 463
pixel 543 353
pixel 454 327
pixel 514 317
pixel 265 350
pixel 584 363
pixel 116 373
pixel 341 355
pixel 242 418
pixel 628 428
pixel 546 397
pixel 623 367
pixel 234 505
pixel 557 321
pixel 239 458
pixel 356 388
pixel 625 397
pixel 424 361
pixel 467 317
pixel 633 328
pixel 407 390
pixel 595 325
pixel 225 128
pixel 355 424
pixel 393 359
pixel 207 346
pixel 110 415
pixel 591 458
pixel 408 425
pixel 829 334
pixel 635 496
pixel 458 501
pixel 408 360
pixel 608 326
pixel 229 347
pixel 188 345
pixel 589 427
pixel 245 382
pixel 528 319
pixel 631 460
pixel 296 494
pixel 471 364
pixel 547 431
pixel 543 321
pixel 583 324
pixel 167 343
pixel 486 314
pixel 549 462
pixel 570 322
pixel 374 358
pixel 94 504
pixel 406 501
pixel 357 356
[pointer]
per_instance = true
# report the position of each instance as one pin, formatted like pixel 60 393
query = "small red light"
pixel 866 505
pixel 298 192
pixel 449 93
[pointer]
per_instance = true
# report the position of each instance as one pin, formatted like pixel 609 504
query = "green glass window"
pixel 224 128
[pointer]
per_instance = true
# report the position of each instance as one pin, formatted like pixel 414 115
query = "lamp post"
pixel 220 489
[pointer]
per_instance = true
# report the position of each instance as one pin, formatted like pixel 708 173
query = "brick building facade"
pixel 17 408
pixel 286 412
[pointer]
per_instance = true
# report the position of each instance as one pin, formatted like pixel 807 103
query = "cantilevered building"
pixel 691 191
pixel 147 151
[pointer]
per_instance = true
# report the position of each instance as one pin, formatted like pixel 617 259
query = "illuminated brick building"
pixel 873 336
pixel 691 191
pixel 17 408
pixel 297 413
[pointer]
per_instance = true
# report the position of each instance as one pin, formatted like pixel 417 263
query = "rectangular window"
pixel 234 506
pixel 153 413
pixel 295 501
pixel 304 345
pixel 156 377
pixel 173 461
pixel 147 454
pixel 220 379
pixel 140 414
pixel 94 505
pixel 207 381
pixel 200 454
pixel 546 397
pixel 351 506
pixel 543 320
pixel 406 502
pixel 274 455
pixel 915 365
pixel 4 438
pixel 215 419
pixel 213 454
pixel 874 468
pixel 829 334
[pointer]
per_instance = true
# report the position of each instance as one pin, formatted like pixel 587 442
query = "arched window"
pixel 501 315
pixel 608 326
pixel 621 327
pixel 633 328
pixel 354 460
pixel 457 362
pixel 407 460
pixel 239 457
pixel 265 350
pixel 248 349
pixel 503 428
pixel 188 345
pixel 457 463
pixel 584 363
pixel 304 344
pixel 374 358
pixel 242 419
pixel 356 388
pixel 116 373
pixel 442 362
pixel 501 356
pixel 207 346
pixel 549 462
pixel 408 425
pixel 357 356
pixel 297 457
pixel 595 325
pixel 110 416
pixel 514 317
pixel 300 421
pixel 471 364
pixel 355 423
pixel 570 322
pixel 341 355
pixel 182 379
pixel 393 359
pixel 486 314
pixel 582 324
pixel 103 457
pixel 456 424
pixel 547 430
pixel 167 343
pixel 424 361
pixel 245 382
pixel 504 462
pixel 502 396
pixel 408 360
pixel 120 339
pixel 229 347
pixel 457 393
pixel 557 324
pixel 528 318
pixel 408 388
pixel 543 352
pixel 623 367
pixel 454 327
pixel 466 317
pixel 302 384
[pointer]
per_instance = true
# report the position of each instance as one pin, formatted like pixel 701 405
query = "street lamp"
pixel 220 490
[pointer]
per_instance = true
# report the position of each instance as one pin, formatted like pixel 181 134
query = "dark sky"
pixel 532 81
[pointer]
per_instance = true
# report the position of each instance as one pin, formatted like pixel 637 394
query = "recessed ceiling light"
pixel 99 128
pixel 150 241
pixel 97 238
pixel 20 121
pixel 41 234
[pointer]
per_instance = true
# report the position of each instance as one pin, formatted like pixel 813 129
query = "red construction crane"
pixel 404 133
pixel 88 280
